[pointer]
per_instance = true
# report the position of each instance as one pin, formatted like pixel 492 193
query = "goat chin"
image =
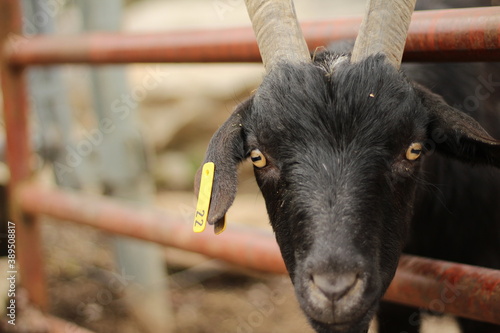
pixel 351 312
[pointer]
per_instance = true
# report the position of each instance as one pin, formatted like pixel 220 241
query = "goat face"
pixel 338 184
pixel 336 147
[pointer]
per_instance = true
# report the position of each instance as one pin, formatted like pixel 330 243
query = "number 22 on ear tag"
pixel 206 182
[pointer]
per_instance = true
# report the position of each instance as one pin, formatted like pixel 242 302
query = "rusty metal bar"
pixel 243 247
pixel 19 158
pixel 439 286
pixel 442 35
pixel 115 48
pixel 470 34
pixel 463 290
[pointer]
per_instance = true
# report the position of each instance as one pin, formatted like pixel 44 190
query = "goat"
pixel 357 162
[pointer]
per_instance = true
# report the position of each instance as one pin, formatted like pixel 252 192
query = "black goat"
pixel 357 162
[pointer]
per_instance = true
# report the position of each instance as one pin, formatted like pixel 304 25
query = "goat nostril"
pixel 335 285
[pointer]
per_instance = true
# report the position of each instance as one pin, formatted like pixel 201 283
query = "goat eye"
pixel 414 151
pixel 258 159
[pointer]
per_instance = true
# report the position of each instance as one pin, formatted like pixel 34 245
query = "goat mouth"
pixel 346 327
pixel 355 324
pixel 342 314
pixel 343 322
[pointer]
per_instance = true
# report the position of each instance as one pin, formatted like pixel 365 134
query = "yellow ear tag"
pixel 206 182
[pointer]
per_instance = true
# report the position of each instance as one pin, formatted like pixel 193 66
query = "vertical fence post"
pixel 19 156
pixel 124 173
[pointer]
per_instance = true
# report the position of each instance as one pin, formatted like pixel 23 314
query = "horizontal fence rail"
pixel 463 290
pixel 470 34
pixel 244 247
pixel 439 286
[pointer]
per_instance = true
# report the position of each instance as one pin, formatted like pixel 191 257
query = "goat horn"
pixel 277 31
pixel 383 30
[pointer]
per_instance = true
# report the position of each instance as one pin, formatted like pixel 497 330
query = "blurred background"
pixel 162 117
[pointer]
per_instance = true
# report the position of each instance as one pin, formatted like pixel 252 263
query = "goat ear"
pixel 457 134
pixel 226 150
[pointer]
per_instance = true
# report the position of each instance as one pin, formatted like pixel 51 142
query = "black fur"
pixel 342 197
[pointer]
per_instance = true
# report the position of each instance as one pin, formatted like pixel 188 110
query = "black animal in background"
pixel 358 160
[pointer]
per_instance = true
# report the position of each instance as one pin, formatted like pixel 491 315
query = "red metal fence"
pixel 451 35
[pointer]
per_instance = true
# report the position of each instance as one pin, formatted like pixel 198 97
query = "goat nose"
pixel 335 286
